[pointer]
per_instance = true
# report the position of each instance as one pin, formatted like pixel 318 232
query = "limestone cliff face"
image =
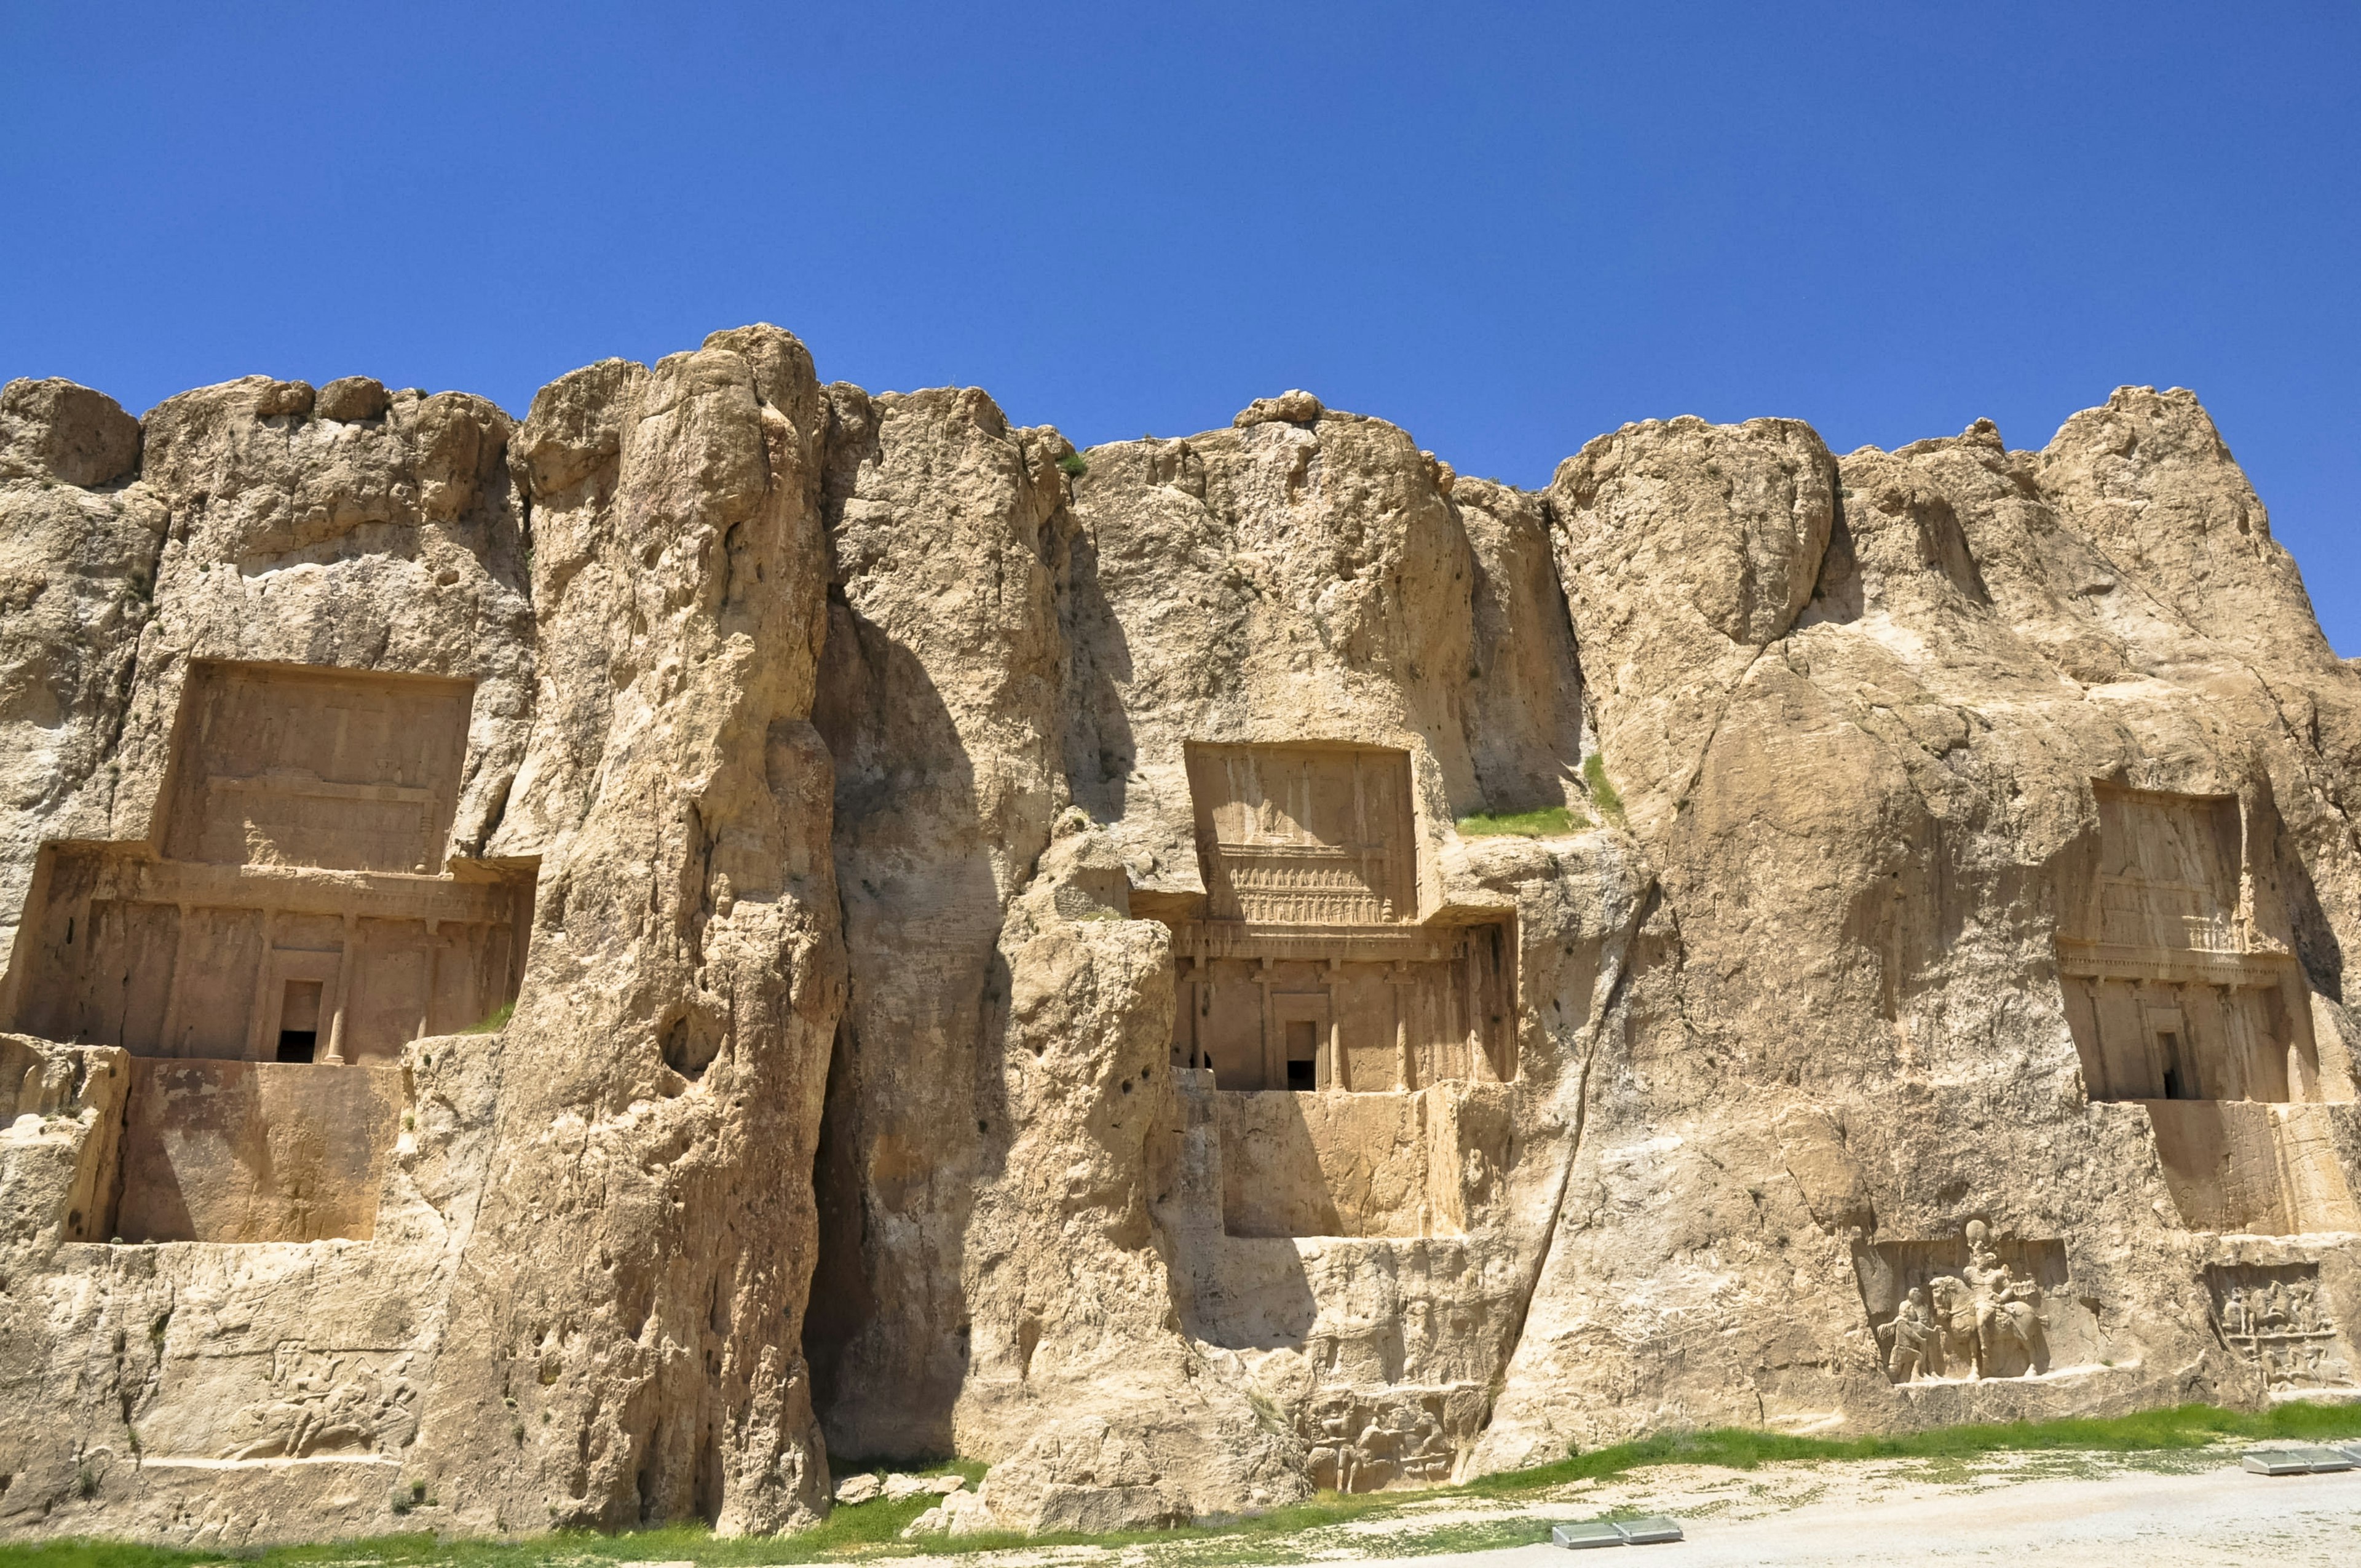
pixel 566 974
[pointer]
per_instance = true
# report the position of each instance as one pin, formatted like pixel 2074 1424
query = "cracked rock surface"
pixel 849 1116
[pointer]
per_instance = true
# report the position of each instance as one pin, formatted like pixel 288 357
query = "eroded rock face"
pixel 1007 952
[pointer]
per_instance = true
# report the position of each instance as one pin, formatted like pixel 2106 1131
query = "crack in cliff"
pixel 1619 949
pixel 1729 701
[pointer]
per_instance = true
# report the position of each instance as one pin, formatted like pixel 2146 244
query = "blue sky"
pixel 1506 228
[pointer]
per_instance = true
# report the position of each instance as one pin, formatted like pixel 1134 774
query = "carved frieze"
pixel 1368 1441
pixel 2273 1316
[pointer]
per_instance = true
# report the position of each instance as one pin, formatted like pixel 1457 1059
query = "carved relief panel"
pixel 277 765
pixel 1973 1306
pixel 1407 1437
pixel 2273 1316
pixel 1305 836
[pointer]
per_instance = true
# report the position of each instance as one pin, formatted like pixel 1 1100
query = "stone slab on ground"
pixel 1585 1536
pixel 2309 1460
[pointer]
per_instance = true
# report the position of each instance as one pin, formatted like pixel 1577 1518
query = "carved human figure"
pixel 1379 1456
pixel 2300 1317
pixel 2278 1366
pixel 2006 1306
pixel 1909 1338
pixel 1332 1452
pixel 2273 1317
pixel 2234 1311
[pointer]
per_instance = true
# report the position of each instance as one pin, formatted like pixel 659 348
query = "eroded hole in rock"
pixel 1341 1038
pixel 267 955
pixel 689 1048
pixel 2184 993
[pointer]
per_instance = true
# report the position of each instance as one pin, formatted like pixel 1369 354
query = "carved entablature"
pixel 1307 967
pixel 1305 836
pixel 1973 1306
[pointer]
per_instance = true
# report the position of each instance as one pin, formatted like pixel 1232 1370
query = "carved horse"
pixel 1967 1344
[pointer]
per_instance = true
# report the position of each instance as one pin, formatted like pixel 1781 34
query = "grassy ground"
pixel 873 1529
pixel 1522 824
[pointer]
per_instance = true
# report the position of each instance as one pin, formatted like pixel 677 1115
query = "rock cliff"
pixel 579 972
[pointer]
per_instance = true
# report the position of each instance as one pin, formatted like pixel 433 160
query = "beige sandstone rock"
pixel 996 972
pixel 857 1489
pixel 1288 407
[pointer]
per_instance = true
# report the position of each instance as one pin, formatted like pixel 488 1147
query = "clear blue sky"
pixel 1505 228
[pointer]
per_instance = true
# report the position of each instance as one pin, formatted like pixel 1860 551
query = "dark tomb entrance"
pixel 299 1021
pixel 1302 1054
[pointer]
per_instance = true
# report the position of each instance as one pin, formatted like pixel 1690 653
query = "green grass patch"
pixel 1744 1448
pixel 874 1528
pixel 1602 788
pixel 1540 824
pixel 496 1023
pixel 1074 464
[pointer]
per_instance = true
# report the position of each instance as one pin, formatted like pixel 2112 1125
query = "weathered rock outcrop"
pixel 1008 953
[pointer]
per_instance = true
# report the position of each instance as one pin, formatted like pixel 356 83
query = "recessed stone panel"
pixel 341 770
pixel 2275 1317
pixel 236 1151
pixel 1973 1306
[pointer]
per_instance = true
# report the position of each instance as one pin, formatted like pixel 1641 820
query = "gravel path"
pixel 2215 1516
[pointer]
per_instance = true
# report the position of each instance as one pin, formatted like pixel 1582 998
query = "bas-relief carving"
pixel 1305 836
pixel 341 771
pixel 1365 1442
pixel 2274 1317
pixel 326 1402
pixel 1973 1308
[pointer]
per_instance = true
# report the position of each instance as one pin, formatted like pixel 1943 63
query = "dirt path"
pixel 2040 1511
pixel 2223 1516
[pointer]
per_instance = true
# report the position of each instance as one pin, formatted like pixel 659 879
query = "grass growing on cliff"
pixel 496 1023
pixel 1602 789
pixel 1522 824
pixel 873 1529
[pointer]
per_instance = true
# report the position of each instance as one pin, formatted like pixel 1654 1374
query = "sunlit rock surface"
pixel 567 973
